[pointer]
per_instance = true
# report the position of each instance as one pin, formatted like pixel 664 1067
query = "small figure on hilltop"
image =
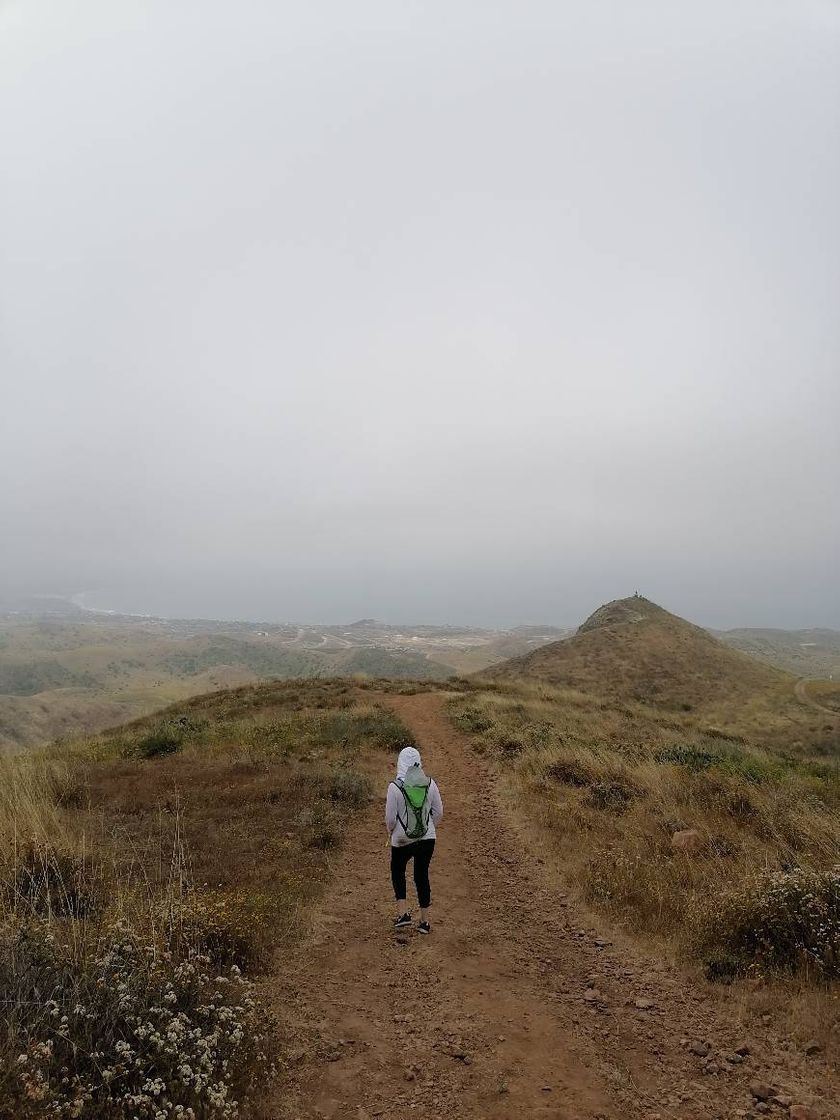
pixel 412 809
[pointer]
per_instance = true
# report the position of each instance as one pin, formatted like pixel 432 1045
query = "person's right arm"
pixel 391 805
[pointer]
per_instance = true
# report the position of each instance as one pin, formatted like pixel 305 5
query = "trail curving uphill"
pixel 515 1006
pixel 804 697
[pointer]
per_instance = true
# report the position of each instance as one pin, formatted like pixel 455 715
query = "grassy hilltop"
pixel 633 651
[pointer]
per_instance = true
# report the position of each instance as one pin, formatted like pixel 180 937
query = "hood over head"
pixel 409 756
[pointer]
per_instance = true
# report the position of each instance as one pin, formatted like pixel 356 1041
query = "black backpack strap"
pixel 403 823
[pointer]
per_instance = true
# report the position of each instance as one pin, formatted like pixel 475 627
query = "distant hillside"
pixel 501 647
pixel 200 655
pixel 807 653
pixel 374 662
pixel 66 671
pixel 632 650
pixel 26 678
pixel 57 713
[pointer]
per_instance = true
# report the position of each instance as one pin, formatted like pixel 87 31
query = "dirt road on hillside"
pixel 804 697
pixel 514 1007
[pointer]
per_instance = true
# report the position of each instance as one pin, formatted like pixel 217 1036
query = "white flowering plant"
pixel 124 1030
pixel 788 921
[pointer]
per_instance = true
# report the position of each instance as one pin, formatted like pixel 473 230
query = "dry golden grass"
pixel 258 778
pixel 601 787
pixel 826 693
pixel 633 652
pixel 609 785
pixel 206 831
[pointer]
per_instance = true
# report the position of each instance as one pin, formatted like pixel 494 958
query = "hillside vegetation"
pixel 71 672
pixel 632 651
pixel 151 875
pixel 683 788
pixel 148 875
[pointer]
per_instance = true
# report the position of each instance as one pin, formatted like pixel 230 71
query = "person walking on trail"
pixel 412 809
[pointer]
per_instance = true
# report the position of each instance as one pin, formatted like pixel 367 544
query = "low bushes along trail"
pixel 515 1006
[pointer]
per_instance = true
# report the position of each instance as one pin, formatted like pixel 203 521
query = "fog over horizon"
pixel 480 313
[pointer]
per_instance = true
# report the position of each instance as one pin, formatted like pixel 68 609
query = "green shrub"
pixel 122 1031
pixel 320 826
pixel 166 738
pixel 509 744
pixel 383 729
pixel 692 758
pixel 346 785
pixel 350 787
pixel 787 922
pixel 570 772
pixel 734 761
pixel 614 797
pixel 336 729
pixel 472 721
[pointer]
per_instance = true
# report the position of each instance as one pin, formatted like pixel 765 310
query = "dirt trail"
pixel 804 697
pixel 514 1007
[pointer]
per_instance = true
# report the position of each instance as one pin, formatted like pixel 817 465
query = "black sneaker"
pixel 403 921
pixel 424 927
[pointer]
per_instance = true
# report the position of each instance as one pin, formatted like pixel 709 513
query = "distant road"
pixel 803 696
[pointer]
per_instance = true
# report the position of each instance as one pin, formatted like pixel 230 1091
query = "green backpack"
pixel 415 790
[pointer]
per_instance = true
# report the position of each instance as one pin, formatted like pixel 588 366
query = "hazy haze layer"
pixel 473 312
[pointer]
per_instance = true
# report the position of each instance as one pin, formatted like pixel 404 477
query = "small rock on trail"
pixel 687 840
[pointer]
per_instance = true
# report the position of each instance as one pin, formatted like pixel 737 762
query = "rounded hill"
pixel 633 650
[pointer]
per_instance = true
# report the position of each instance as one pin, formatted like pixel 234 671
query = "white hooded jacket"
pixel 395 805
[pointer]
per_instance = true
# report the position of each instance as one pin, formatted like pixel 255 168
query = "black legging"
pixel 422 851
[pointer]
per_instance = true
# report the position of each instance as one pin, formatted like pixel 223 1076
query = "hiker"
pixel 412 809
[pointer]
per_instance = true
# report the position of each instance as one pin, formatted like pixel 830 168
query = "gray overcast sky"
pixel 466 311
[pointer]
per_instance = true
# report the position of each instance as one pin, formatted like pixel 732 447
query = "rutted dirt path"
pixel 514 1007
pixel 804 697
